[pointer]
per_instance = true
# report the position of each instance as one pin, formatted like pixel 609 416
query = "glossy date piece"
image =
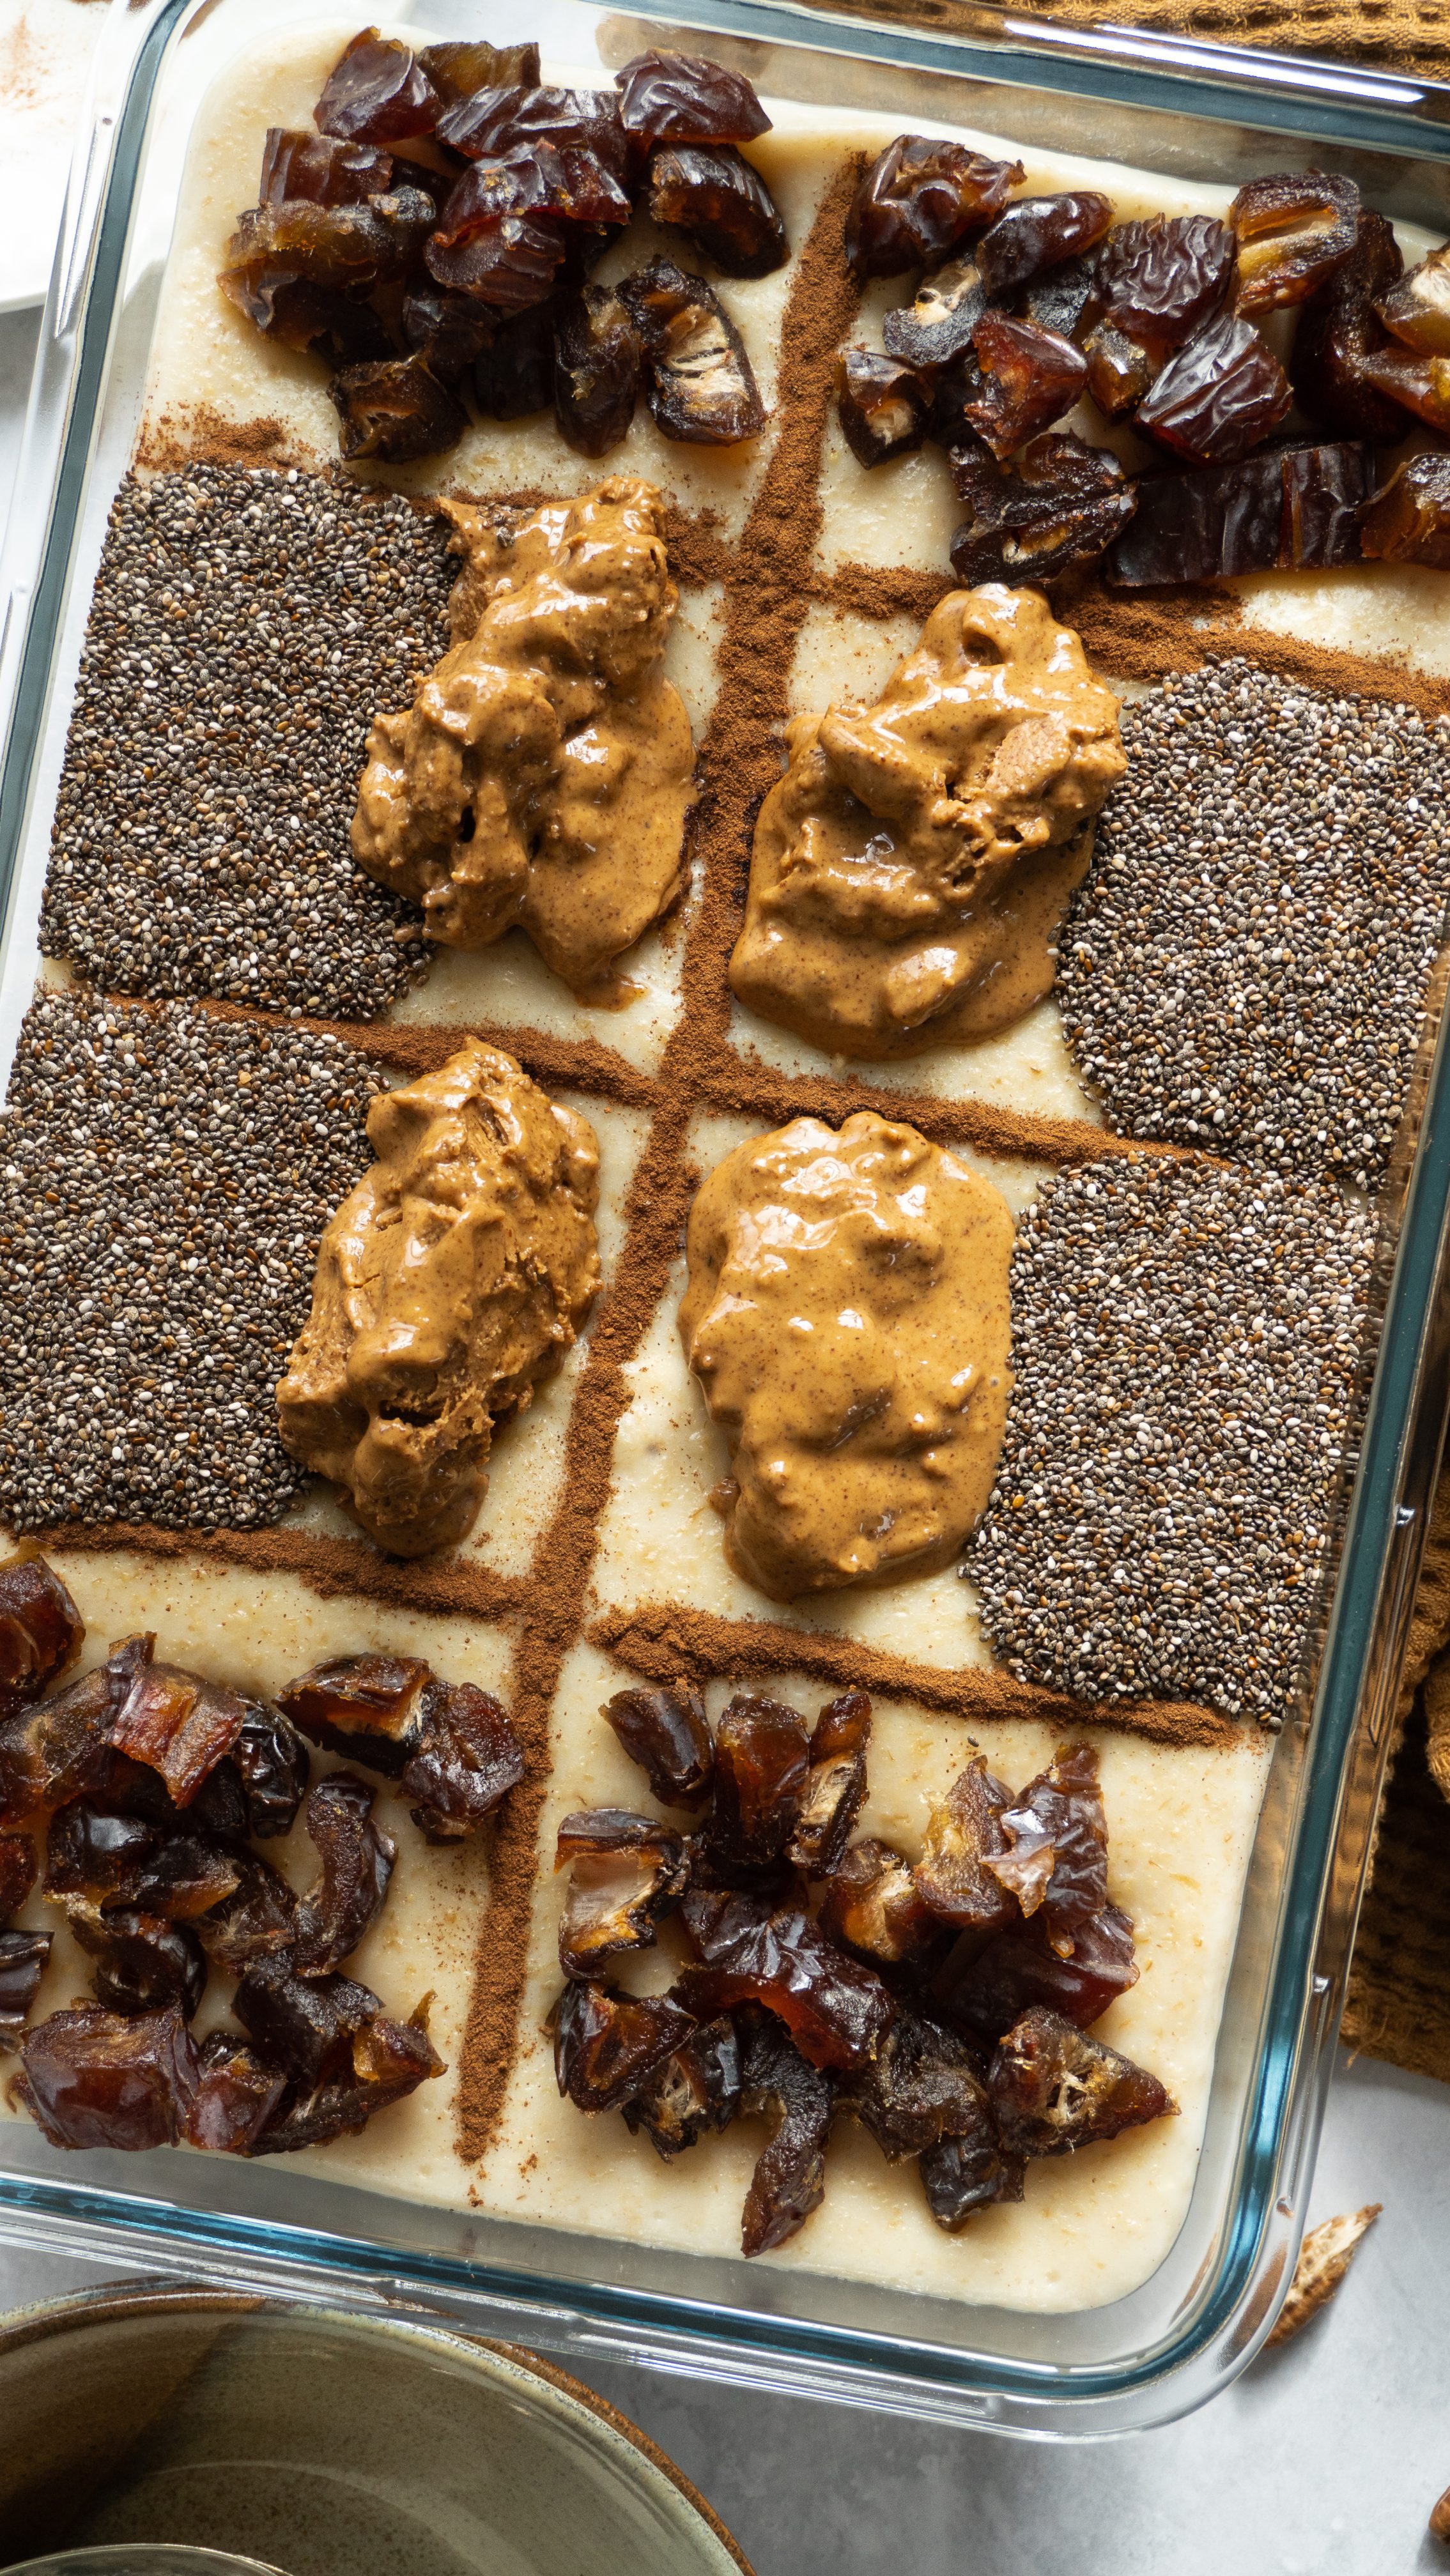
pixel 237 2093
pixel 319 170
pixel 92 2078
pixel 695 2094
pixel 467 1761
pixel 883 407
pixel 59 1748
pixel 41 1631
pixel 1419 385
pixel 357 1865
pixel 1409 521
pixel 955 1874
pixel 984 1991
pixel 510 261
pixel 778 2084
pixel 700 385
pixel 1059 503
pixel 1294 229
pixel 762 1758
pixel 1160 279
pixel 456 70
pixel 1218 396
pixel 143 1963
pixel 1057 1837
pixel 174 1722
pixel 514 375
pixel 608 2046
pixel 445 331
pixel 273 1764
pixel 17 1873
pixel 1065 299
pixel 256 1920
pixel 963 2174
pixel 1338 327
pixel 345 249
pixel 367 1707
pixel 377 92
pixel 835 1786
pixel 1292 509
pixel 390 2059
pixel 1030 377
pixel 665 1731
pixel 306 2024
pixel 299 316
pixel 923 2085
pixel 870 1904
pixel 939 325
pixel 626 1873
pixel 1053 2088
pixel 685 98
pixel 835 2008
pixel 23 1959
pixel 1121 371
pixel 1415 309
pixel 711 192
pixel 598 368
pixel 563 183
pixel 1037 233
pixel 122 1860
pixel 582 124
pixel 918 200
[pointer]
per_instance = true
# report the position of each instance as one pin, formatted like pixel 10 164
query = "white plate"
pixel 45 48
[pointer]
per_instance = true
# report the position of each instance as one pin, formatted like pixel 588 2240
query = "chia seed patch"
pixel 1186 1341
pixel 1246 965
pixel 246 627
pixel 164 1179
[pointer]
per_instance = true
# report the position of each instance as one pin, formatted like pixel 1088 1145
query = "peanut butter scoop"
pixel 543 774
pixel 912 868
pixel 450 1282
pixel 847 1316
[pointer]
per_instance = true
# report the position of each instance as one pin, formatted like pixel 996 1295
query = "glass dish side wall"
pixel 1173 2342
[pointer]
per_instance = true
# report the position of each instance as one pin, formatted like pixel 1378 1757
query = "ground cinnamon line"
pixel 421 1046
pixel 335 1568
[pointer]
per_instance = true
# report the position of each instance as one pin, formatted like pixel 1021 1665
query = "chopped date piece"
pixel 835 1787
pixel 685 98
pixel 762 1758
pixel 664 1730
pixel 700 385
pixel 965 2174
pixel 507 265
pixel 90 1852
pixel 955 1875
pixel 41 1631
pixel 1340 325
pixel 939 325
pixel 1416 308
pixel 188 1874
pixel 17 1873
pixel 336 327
pixel 173 1721
pixel 956 386
pixel 357 1864
pixel 1218 395
pixel 1065 299
pixel 835 2008
pixel 467 1762
pixel 390 2059
pixel 1420 385
pixel 627 1872
pixel 344 248
pixel 871 1904
pixel 377 92
pixel 557 180
pixel 368 1707
pixel 1030 377
pixel 918 200
pixel 514 376
pixel 59 1748
pixel 1057 504
pixel 1120 371
pixel 314 167
pixel 307 2024
pixel 236 2094
pixel 711 192
pixel 446 331
pixel 883 407
pixel 597 370
pixel 1053 2088
pixel 695 2094
pixel 1037 233
pixel 1058 1835
pixel 495 124
pixel 923 2085
pixel 1294 229
pixel 1409 521
pixel 608 2046
pixel 1292 509
pixel 778 2084
pixel 92 2078
pixel 23 1958
pixel 985 1990
pixel 143 1963
pixel 273 1764
pixel 256 1920
pixel 457 70
pixel 1160 279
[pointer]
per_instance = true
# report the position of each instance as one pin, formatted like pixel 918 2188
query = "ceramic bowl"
pixel 325 2444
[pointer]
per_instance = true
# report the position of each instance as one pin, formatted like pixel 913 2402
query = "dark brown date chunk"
pixel 347 248
pixel 711 192
pixel 389 2060
pixel 305 2025
pixel 236 2094
pixel 1120 370
pixel 1160 279
pixel 143 1963
pixel 939 325
pixel 778 2084
pixel 258 1919
pixel 17 1873
pixel 1030 377
pixel 558 182
pixel 1294 229
pixel 582 125
pixel 1294 509
pixel 762 1758
pixel 377 92
pixel 23 1960
pixel 1065 299
pixel 700 384
pixel 467 1760
pixel 685 98
pixel 964 2174
pixel 597 370
pixel 59 1748
pixel 41 1631
pixel 1416 309
pixel 335 327
pixel 514 376
pixel 92 2078
pixel 123 1860
pixel 314 167
pixel 1053 2088
pixel 273 1765
pixel 871 1904
pixel 956 1876
pixel 836 2009
pixel 357 1864
pixel 835 1785
pixel 1058 1837
pixel 608 2046
pixel 367 1707
pixel 666 1733
pixel 1218 396
pixel 918 200
pixel 174 1722
pixel 1420 385
pixel 1409 521
pixel 1059 503
pixel 695 2094
pixel 883 407
pixel 627 1872
pixel 921 2086
pixel 1339 326
pixel 986 1990
pixel 1036 233
pixel 457 70
pixel 445 331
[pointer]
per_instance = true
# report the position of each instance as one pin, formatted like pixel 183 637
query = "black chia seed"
pixel 164 1179
pixel 1186 1342
pixel 1246 965
pixel 246 627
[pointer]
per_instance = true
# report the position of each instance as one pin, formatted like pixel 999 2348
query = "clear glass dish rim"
pixel 1388 1511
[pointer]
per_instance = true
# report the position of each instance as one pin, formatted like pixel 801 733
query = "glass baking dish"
pixel 1181 108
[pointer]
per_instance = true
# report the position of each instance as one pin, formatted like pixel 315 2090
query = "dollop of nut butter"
pixel 543 774
pixel 912 869
pixel 450 1282
pixel 847 1316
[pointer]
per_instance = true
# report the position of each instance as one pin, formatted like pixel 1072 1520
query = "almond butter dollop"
pixel 450 1282
pixel 847 1316
pixel 912 868
pixel 542 776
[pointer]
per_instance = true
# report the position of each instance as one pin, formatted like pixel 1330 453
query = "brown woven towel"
pixel 1403 35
